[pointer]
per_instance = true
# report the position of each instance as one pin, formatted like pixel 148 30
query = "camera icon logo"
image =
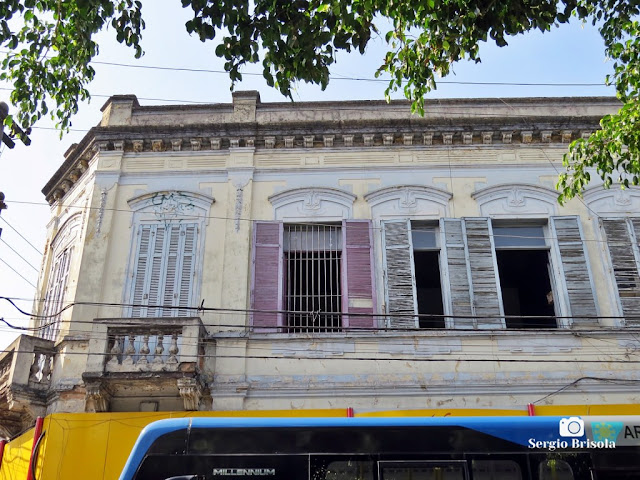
pixel 571 427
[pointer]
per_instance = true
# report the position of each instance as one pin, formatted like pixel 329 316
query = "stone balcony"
pixel 25 376
pixel 140 357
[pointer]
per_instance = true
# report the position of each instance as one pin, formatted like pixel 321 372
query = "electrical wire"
pixel 19 255
pixel 343 77
pixel 315 224
pixel 19 234
pixel 18 273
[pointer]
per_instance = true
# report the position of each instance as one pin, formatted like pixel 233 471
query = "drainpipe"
pixel 31 474
pixel 531 409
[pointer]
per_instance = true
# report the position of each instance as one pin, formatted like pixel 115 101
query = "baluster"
pixel 159 350
pixel 173 349
pixel 46 368
pixel 116 350
pixel 35 367
pixel 144 350
pixel 130 351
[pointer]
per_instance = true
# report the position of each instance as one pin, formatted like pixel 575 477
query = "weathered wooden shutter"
pixel 486 296
pixel 54 300
pixel 574 265
pixel 139 282
pixel 456 275
pixel 172 256
pixel 267 276
pixel 357 274
pixel 401 296
pixel 622 242
pixel 185 283
pixel 164 270
pixel 155 271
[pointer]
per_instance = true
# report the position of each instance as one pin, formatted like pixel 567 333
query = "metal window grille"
pixel 313 256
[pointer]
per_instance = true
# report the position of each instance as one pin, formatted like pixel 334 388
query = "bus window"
pixel 496 470
pixel 423 470
pixel 348 470
pixel 554 469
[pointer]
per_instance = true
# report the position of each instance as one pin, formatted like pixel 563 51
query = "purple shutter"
pixel 357 274
pixel 266 280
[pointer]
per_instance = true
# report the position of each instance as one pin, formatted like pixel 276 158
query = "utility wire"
pixel 21 236
pixel 340 77
pixel 380 229
pixel 18 254
pixel 18 273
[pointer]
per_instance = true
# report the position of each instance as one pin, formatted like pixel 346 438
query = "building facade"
pixel 253 256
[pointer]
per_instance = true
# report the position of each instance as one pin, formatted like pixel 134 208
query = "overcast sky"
pixel 570 55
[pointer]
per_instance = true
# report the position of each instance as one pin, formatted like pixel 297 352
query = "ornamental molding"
pixel 613 201
pixel 67 232
pixel 413 200
pixel 312 202
pixel 516 199
pixel 173 205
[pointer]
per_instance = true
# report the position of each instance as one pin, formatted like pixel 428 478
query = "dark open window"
pixel 426 258
pixel 523 265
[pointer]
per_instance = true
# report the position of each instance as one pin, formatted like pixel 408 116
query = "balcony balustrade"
pixel 25 377
pixel 127 352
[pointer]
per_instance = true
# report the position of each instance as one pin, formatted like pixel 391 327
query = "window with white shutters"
pixel 164 270
pixel 312 278
pixel 622 239
pixel 55 296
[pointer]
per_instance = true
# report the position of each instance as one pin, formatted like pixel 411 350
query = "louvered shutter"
pixel 486 298
pixel 155 271
pixel 138 296
pixel 55 293
pixel 185 283
pixel 457 272
pixel 164 270
pixel 400 275
pixel 576 277
pixel 170 274
pixel 357 274
pixel 622 242
pixel 267 276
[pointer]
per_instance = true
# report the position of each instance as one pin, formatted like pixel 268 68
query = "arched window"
pixel 166 253
pixel 62 248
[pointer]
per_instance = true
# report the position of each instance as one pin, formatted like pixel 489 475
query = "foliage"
pixel 297 40
pixel 614 150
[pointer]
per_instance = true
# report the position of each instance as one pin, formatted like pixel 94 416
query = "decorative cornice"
pixel 331 125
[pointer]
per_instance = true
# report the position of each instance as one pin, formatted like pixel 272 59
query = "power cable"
pixel 379 359
pixel 20 235
pixel 18 254
pixel 314 224
pixel 343 77
pixel 18 273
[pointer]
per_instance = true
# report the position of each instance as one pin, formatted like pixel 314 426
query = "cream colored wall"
pixel 226 273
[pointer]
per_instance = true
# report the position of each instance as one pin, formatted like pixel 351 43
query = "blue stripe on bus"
pixel 514 429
